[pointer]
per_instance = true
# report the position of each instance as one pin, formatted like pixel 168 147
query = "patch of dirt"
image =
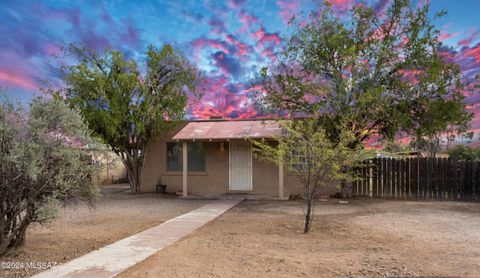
pixel 365 238
pixel 81 229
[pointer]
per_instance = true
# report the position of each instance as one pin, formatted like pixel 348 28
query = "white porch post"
pixel 184 169
pixel 280 180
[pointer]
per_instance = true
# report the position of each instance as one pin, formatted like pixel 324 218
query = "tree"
pixel 316 161
pixel 393 147
pixel 124 108
pixel 464 152
pixel 38 168
pixel 380 73
pixel 437 112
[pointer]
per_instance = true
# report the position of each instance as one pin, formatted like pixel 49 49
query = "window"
pixel 196 157
pixel 300 160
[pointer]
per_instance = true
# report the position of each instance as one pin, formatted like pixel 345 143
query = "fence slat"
pixel 425 178
pixel 407 178
pixel 414 178
pixel 384 176
pixel 395 178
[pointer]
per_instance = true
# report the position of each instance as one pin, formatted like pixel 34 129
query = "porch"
pixel 233 137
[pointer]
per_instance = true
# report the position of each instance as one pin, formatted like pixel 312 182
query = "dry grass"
pixel 81 229
pixel 366 238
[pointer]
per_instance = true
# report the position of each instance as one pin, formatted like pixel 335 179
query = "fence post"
pixel 374 177
pixel 370 178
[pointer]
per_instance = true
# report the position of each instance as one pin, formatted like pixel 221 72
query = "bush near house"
pixel 465 152
pixel 39 169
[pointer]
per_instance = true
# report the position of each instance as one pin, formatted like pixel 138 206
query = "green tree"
pixel 39 170
pixel 393 147
pixel 435 118
pixel 125 108
pixel 464 152
pixel 378 73
pixel 316 161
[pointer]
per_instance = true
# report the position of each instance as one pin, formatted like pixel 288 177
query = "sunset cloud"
pixel 288 8
pixel 230 41
pixel 17 79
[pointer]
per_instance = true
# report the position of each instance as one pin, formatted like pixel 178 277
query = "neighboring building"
pixel 111 167
pixel 219 160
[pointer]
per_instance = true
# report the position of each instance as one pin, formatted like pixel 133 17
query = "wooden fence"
pixel 427 178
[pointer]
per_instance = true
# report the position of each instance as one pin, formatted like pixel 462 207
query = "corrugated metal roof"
pixel 223 130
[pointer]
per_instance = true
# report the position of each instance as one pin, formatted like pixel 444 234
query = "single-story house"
pixel 215 157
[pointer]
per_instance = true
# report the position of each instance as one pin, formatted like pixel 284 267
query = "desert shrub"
pixel 42 166
pixel 464 152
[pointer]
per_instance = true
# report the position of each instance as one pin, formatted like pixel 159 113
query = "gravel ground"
pixel 82 229
pixel 365 238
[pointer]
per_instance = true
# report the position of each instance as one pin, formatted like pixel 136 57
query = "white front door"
pixel 240 165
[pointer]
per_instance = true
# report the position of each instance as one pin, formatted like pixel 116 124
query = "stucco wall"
pixel 293 186
pixel 215 179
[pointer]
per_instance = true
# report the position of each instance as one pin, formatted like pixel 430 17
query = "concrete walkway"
pixel 112 259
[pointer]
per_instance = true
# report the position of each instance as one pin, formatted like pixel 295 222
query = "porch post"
pixel 184 169
pixel 280 180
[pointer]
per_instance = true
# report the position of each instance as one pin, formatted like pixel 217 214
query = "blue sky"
pixel 229 40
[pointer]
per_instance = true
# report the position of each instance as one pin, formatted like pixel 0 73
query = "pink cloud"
pixel 247 21
pixel 242 48
pixel 445 35
pixel 288 9
pixel 263 37
pixel 411 75
pixel 17 79
pixel 229 100
pixel 473 35
pixel 235 3
pixel 341 5
pixel 199 43
pixel 268 52
pixel 52 49
pixel 473 52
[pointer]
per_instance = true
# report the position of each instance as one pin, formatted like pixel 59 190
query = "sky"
pixel 229 40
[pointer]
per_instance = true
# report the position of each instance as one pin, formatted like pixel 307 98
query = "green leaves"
pixel 379 74
pixel 124 107
pixel 306 151
pixel 121 106
pixel 42 165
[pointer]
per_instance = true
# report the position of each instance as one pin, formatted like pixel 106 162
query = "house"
pixel 215 157
pixel 112 169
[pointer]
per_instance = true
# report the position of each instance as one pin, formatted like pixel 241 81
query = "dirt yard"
pixel 365 238
pixel 81 229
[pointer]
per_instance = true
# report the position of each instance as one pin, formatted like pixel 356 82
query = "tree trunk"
pixel 346 189
pixel 308 215
pixel 133 166
pixel 15 236
pixel 134 180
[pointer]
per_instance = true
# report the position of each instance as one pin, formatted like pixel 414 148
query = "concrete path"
pixel 112 259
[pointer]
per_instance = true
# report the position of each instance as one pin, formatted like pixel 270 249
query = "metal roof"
pixel 225 130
